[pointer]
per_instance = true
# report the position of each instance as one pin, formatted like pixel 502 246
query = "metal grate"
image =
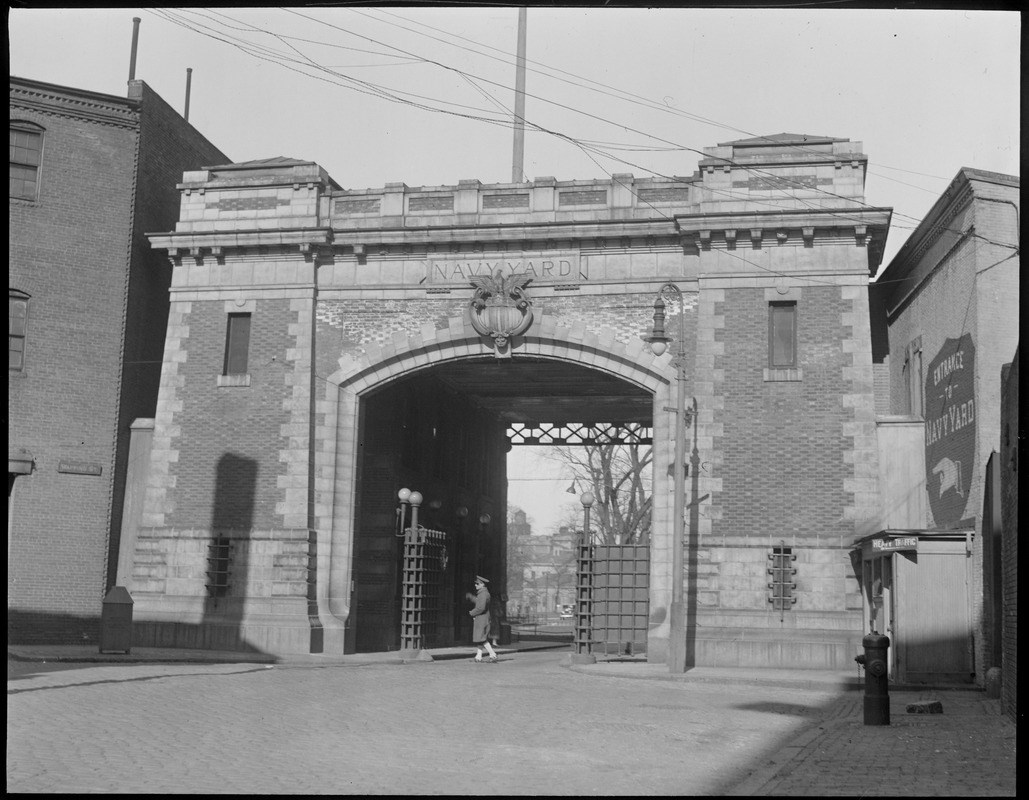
pixel 425 561
pixel 613 599
pixel 582 642
pixel 218 567
pixel 782 586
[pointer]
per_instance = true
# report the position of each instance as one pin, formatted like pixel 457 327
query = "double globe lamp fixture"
pixel 414 499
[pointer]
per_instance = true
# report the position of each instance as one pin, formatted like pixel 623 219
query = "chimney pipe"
pixel 135 41
pixel 189 78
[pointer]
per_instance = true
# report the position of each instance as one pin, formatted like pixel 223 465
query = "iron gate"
pixel 425 562
pixel 612 599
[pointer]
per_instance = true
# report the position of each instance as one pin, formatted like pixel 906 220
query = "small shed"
pixel 916 586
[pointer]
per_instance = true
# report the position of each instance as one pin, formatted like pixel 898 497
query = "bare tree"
pixel 619 477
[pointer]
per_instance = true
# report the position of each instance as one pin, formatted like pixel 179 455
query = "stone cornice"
pixel 56 101
pixel 197 246
pixel 868 226
pixel 374 237
pixel 796 220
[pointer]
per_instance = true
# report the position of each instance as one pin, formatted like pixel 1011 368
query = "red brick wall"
pixel 71 250
pixel 781 454
pixel 232 425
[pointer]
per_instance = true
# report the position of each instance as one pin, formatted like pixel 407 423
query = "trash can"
pixel 116 621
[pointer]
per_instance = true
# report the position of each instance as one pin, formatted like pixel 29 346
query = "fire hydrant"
pixel 877 686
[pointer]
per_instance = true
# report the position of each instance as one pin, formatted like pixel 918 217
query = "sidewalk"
pixel 90 654
pixel 967 750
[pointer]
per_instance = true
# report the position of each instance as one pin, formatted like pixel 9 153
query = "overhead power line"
pixel 332 76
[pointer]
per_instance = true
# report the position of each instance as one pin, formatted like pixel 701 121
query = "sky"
pixel 424 95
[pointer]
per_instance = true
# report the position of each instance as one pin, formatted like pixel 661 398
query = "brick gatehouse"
pixel 323 351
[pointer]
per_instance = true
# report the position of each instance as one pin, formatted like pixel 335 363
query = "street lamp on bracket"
pixel 659 341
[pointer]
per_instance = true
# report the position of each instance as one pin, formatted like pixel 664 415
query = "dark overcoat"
pixel 480 616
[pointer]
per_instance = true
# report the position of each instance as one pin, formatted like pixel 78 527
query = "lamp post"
pixel 587 502
pixel 659 341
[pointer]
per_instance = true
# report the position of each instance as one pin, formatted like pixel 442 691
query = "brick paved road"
pixel 524 726
pixel 967 751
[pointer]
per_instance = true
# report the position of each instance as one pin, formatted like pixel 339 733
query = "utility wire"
pixel 623 95
pixel 393 95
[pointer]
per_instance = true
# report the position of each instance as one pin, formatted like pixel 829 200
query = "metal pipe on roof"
pixel 135 42
pixel 189 80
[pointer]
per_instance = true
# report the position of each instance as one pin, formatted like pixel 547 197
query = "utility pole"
pixel 519 113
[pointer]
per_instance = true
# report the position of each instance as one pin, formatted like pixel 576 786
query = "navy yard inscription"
pixel 551 268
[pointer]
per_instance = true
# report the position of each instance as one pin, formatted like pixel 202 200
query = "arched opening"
pixel 443 431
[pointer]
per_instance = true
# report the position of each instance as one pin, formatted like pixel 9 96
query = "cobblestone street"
pixel 526 725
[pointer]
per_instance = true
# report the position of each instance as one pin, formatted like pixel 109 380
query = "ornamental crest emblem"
pixel 500 308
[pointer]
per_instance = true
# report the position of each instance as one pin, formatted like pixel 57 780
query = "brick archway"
pixel 336 429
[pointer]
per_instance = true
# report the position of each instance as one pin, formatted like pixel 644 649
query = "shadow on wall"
pixel 228 559
pixel 38 627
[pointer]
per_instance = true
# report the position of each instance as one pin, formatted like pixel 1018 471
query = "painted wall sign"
pixel 950 429
pixel 79 467
pixel 896 544
pixel 555 267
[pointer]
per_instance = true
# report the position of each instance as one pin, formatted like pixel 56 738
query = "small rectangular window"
pixel 237 344
pixel 17 316
pixel 26 147
pixel 782 334
pixel 912 370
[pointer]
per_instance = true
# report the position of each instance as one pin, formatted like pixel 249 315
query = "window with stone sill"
pixel 26 155
pixel 782 342
pixel 237 351
pixel 17 320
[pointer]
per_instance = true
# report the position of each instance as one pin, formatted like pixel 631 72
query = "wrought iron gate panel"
pixel 613 598
pixel 425 561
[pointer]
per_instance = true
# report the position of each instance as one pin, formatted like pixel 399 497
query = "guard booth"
pixel 916 586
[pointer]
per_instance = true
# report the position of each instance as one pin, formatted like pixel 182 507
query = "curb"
pixel 811 684
pixel 170 656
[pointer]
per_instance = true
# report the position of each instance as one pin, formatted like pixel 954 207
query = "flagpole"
pixel 518 156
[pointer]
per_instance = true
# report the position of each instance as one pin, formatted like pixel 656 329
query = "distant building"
pixel 540 569
pixel 90 175
pixel 945 323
